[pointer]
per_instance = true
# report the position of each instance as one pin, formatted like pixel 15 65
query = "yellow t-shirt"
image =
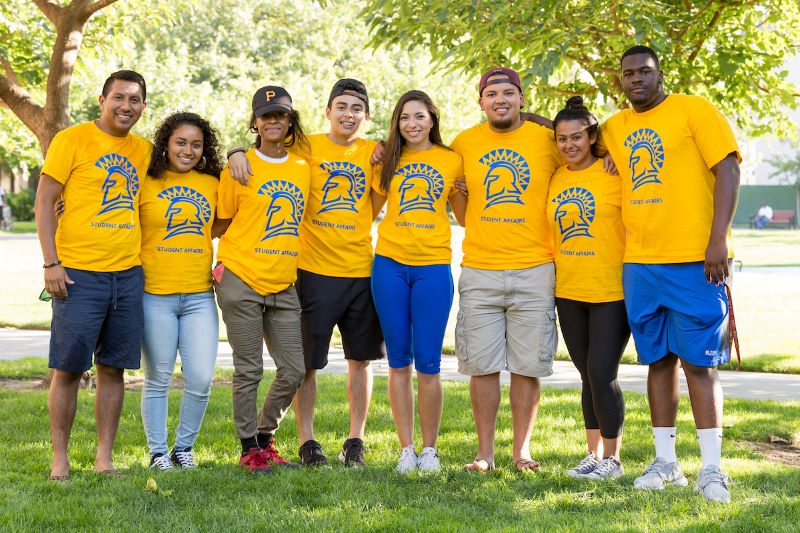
pixel 176 212
pixel 507 176
pixel 416 228
pixel 101 174
pixel 583 208
pixel 335 237
pixel 663 156
pixel 262 242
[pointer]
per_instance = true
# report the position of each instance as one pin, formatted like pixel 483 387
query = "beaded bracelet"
pixel 51 265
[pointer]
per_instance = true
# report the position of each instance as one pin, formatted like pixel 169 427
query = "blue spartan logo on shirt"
pixel 421 186
pixel 575 212
pixel 188 211
pixel 120 184
pixel 507 178
pixel 646 157
pixel 344 187
pixel 285 210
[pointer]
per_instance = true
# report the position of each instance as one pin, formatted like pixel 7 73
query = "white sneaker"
pixel 713 485
pixel 659 474
pixel 609 468
pixel 161 461
pixel 428 461
pixel 408 460
pixel 585 467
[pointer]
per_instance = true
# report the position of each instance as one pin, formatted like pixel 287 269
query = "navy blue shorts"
pixel 102 315
pixel 673 309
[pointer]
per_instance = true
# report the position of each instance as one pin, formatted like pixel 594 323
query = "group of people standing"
pixel 584 218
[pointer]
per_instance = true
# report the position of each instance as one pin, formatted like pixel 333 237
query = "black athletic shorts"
pixel 329 301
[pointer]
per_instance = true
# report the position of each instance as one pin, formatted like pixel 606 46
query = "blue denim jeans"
pixel 185 323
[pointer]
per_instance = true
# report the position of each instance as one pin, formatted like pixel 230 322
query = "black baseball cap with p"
pixel 270 99
pixel 350 87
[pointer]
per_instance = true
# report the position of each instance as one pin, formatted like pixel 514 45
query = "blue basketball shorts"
pixel 101 316
pixel 673 309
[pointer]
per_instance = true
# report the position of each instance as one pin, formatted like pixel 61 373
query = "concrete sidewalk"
pixel 16 343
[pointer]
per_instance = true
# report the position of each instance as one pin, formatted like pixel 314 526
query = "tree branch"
pixel 701 41
pixel 98 5
pixel 9 70
pixel 50 9
pixel 22 105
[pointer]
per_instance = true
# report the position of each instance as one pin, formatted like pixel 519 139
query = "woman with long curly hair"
pixel 176 208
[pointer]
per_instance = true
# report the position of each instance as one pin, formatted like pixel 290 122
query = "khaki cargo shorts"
pixel 507 321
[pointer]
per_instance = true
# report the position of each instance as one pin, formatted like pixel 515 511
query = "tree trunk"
pixel 45 121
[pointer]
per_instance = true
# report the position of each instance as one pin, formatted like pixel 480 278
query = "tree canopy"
pixel 210 57
pixel 730 51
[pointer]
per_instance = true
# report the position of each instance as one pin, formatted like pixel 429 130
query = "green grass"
pixel 770 247
pixel 25 226
pixel 25 368
pixel 219 496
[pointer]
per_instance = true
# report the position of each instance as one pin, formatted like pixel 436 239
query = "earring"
pixel 201 165
pixel 164 154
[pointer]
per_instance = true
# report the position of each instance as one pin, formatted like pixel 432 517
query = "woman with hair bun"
pixel 584 212
pixel 176 209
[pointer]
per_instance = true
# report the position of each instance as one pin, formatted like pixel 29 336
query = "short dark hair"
pixel 126 75
pixel 641 49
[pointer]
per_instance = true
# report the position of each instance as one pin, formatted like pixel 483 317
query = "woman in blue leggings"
pixel 412 284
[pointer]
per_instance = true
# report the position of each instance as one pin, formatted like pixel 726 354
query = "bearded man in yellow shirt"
pixel 506 319
pixel 679 164
pixel 91 262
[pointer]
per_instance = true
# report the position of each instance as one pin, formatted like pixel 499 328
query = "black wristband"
pixel 234 150
pixel 51 265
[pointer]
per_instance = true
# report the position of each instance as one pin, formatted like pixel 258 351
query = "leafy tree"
pixel 21 58
pixel 787 167
pixel 730 51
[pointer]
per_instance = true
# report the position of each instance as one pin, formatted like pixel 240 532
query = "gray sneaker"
pixel 609 468
pixel 585 467
pixel 713 485
pixel 659 474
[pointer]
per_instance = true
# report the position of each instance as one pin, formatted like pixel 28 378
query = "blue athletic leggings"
pixel 413 303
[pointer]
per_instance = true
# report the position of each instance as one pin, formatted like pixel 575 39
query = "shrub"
pixel 21 204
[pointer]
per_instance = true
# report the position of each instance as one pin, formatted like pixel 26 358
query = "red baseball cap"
pixel 510 76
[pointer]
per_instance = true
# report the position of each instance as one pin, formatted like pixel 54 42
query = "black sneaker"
pixel 311 454
pixel 183 458
pixel 352 454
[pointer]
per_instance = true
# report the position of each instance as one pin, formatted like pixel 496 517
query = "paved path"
pixel 15 343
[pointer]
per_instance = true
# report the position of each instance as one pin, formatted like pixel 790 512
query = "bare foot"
pixel 104 466
pixel 60 469
pixel 480 465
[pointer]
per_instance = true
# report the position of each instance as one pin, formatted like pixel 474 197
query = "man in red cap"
pixel 506 319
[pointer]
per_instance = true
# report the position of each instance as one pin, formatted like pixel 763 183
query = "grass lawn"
pixel 220 496
pixel 26 226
